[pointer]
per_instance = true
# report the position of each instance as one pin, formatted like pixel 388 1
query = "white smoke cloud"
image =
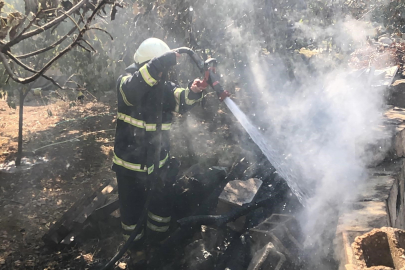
pixel 318 130
pixel 316 127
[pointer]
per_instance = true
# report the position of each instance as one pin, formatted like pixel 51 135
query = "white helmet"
pixel 150 48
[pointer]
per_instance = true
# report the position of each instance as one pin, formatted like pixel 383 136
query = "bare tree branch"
pixel 50 9
pixel 68 79
pixel 18 62
pixel 47 65
pixel 8 68
pixel 71 81
pixel 43 27
pixel 96 10
pixel 67 49
pixel 88 43
pixel 84 48
pixel 55 58
pixel 53 45
pixel 103 30
pixel 114 9
pixel 29 24
pixel 70 17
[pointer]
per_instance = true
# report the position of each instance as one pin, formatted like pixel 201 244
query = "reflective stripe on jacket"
pixel 137 114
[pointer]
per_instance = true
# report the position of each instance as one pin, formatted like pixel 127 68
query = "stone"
pixel 384 247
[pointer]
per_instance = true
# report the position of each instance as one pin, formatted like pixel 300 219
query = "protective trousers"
pixel 132 192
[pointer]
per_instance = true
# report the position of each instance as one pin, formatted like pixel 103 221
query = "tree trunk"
pixel 20 127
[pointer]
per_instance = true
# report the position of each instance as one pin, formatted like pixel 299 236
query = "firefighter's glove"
pixel 167 60
pixel 198 86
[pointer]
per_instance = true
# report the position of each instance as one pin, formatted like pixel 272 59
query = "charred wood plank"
pixel 237 254
pixel 69 220
pixel 221 220
pixel 173 244
pixel 104 211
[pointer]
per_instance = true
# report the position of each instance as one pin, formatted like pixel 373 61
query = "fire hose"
pixel 208 69
pixel 210 78
pixel 220 220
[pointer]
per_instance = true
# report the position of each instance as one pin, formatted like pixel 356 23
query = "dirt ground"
pixel 71 147
pixel 34 197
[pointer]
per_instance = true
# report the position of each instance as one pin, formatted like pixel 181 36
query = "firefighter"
pixel 133 149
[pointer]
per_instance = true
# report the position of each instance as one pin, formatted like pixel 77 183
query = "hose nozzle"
pixel 223 95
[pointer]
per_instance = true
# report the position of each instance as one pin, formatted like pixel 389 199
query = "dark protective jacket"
pixel 137 115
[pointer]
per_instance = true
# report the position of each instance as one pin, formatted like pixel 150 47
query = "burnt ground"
pixel 33 199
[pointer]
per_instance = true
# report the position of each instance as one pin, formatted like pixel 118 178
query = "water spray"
pixel 208 68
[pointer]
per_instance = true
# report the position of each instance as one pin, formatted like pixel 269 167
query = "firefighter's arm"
pixel 186 98
pixel 133 87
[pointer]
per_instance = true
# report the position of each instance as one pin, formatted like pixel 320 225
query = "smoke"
pixel 320 123
pixel 317 115
pixel 323 131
